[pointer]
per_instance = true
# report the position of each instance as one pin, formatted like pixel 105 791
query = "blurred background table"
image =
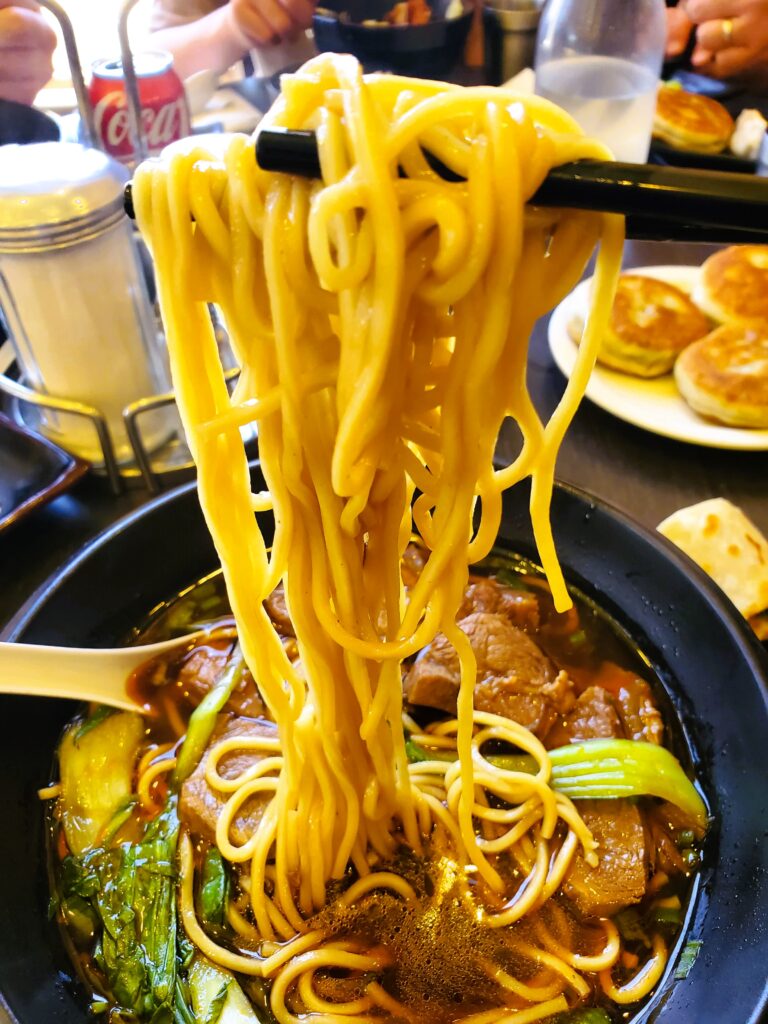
pixel 642 474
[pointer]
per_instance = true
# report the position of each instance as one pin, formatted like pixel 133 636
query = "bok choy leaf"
pixel 602 769
pixel 131 890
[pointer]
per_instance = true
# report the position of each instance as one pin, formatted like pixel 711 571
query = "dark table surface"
pixel 643 474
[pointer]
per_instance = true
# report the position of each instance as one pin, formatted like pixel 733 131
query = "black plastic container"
pixel 421 51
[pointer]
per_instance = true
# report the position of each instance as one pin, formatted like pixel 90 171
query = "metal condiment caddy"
pixel 141 440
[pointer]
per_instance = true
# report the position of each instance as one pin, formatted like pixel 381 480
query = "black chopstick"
pixel 667 203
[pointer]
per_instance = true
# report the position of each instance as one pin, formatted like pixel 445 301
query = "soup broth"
pixel 439 962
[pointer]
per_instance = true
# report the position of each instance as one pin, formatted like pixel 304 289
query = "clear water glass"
pixel 600 60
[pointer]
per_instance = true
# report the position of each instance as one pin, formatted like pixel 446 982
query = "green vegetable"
pixel 131 891
pixel 216 996
pixel 93 720
pixel 586 1015
pixel 665 916
pixel 80 919
pixel 687 958
pixel 119 819
pixel 606 769
pixel 602 770
pixel 416 753
pixel 515 763
pixel 203 719
pixel 631 927
pixel 214 886
pixel 96 768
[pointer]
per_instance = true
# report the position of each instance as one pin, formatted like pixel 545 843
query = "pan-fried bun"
pixel 728 546
pixel 725 375
pixel 651 323
pixel 686 120
pixel 733 284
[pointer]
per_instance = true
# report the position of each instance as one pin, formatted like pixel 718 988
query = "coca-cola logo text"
pixel 161 125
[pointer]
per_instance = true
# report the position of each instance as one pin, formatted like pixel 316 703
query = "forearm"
pixel 212 42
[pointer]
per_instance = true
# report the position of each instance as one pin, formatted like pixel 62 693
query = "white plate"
pixel 654 404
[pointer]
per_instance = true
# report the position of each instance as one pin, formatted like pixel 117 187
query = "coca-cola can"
pixel 164 111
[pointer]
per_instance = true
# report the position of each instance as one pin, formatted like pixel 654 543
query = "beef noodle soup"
pixel 600 941
pixel 399 792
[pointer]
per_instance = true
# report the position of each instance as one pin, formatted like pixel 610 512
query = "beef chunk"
pixel 277 609
pixel 484 594
pixel 620 878
pixel 200 806
pixel 514 677
pixel 634 701
pixel 414 560
pixel 593 716
pixel 200 670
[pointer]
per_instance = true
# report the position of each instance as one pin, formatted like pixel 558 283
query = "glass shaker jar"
pixel 73 294
pixel 600 60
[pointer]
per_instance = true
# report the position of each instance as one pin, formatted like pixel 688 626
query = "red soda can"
pixel 164 111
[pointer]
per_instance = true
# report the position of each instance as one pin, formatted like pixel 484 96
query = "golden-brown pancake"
pixel 728 546
pixel 733 284
pixel 686 120
pixel 651 323
pixel 725 375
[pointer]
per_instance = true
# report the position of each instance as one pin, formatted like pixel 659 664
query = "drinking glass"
pixel 600 60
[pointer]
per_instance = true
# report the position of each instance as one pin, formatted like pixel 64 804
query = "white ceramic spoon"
pixel 79 673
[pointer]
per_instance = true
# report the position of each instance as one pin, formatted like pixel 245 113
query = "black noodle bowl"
pixel 712 669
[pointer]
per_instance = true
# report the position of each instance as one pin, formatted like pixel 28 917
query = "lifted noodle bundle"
pixel 381 325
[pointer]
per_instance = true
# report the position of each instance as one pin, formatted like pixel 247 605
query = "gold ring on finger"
pixel 726 27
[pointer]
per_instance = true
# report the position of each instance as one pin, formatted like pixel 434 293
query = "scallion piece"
pixel 202 721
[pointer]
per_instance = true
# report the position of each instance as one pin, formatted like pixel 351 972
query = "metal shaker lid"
pixel 54 194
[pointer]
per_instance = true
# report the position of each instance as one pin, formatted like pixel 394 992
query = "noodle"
pixel 381 327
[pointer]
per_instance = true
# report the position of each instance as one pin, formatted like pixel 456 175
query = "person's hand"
pixel 679 28
pixel 262 22
pixel 27 43
pixel 731 37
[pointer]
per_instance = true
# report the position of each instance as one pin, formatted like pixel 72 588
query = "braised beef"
pixel 412 565
pixel 514 676
pixel 619 880
pixel 593 716
pixel 277 609
pixel 200 805
pixel 634 701
pixel 200 671
pixel 484 594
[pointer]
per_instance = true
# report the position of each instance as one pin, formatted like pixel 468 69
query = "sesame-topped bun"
pixel 651 323
pixel 687 120
pixel 733 285
pixel 725 375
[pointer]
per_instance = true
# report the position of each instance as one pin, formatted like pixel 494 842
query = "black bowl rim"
pixel 715 595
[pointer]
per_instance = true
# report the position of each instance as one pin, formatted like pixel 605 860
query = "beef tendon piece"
pixel 200 805
pixel 485 594
pixel 514 676
pixel 593 716
pixel 619 880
